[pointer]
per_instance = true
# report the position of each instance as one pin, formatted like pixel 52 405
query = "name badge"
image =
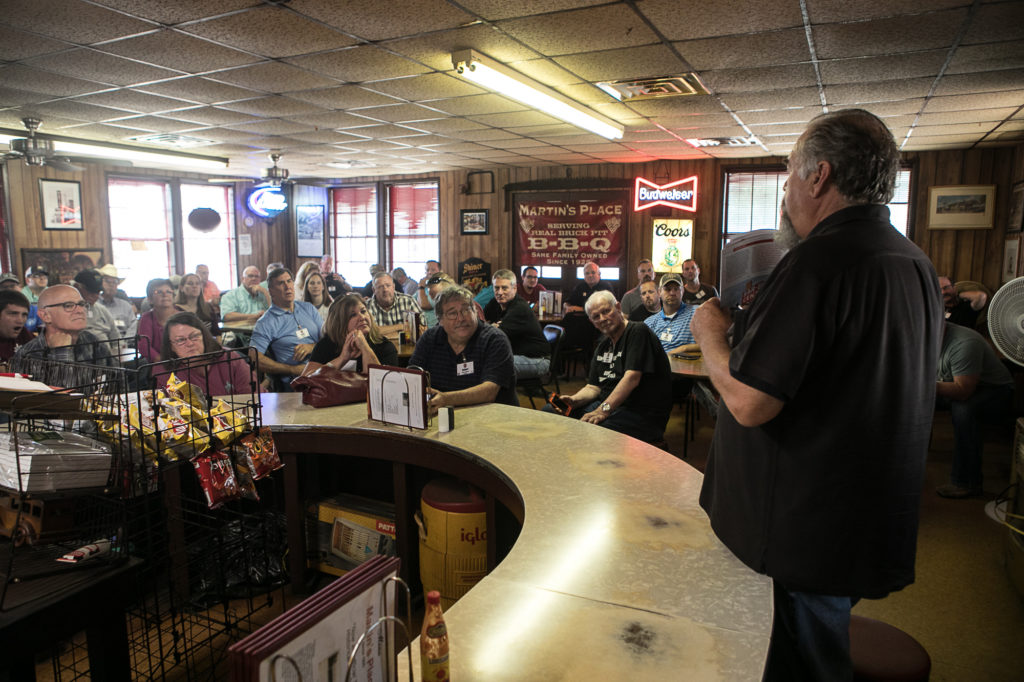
pixel 666 336
pixel 464 368
pixel 302 333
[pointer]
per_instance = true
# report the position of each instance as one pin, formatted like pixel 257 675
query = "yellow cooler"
pixel 453 538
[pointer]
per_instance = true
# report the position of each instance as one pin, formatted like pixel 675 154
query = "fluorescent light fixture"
pixel 113 150
pixel 495 76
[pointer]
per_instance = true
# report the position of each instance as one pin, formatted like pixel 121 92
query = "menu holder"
pixel 398 395
pixel 328 632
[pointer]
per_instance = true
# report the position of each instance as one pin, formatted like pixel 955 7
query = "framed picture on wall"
pixel 309 226
pixel 1011 256
pixel 61 264
pixel 1016 208
pixel 61 204
pixel 474 220
pixel 961 207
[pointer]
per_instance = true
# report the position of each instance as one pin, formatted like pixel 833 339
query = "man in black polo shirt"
pixel 629 388
pixel 591 283
pixel 469 361
pixel 815 471
pixel 512 315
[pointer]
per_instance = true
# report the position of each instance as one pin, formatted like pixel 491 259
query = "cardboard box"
pixel 346 530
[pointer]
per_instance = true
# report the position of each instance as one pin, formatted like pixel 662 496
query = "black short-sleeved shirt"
pixel 824 497
pixel 583 291
pixel 640 313
pixel 488 351
pixel 963 314
pixel 521 327
pixel 326 350
pixel 705 292
pixel 639 349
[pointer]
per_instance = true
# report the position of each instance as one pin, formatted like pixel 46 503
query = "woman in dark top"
pixel 351 339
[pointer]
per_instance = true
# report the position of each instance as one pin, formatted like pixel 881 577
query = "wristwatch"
pixel 606 408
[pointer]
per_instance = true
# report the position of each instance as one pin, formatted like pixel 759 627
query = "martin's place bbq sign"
pixel 572 232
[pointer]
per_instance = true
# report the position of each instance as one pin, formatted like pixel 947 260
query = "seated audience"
pixel 289 330
pixel 367 289
pixel 672 324
pixel 187 350
pixel 100 322
pixel 389 307
pixel 429 293
pixel 247 302
pixel 531 288
pixel 591 283
pixel 469 361
pixel 695 293
pixel 629 388
pixel 211 292
pixel 962 308
pixel 631 299
pixel 650 302
pixel 63 311
pixel 351 339
pixel 13 315
pixel 121 309
pixel 976 387
pixel 403 282
pixel 336 284
pixel 190 300
pixel 432 268
pixel 36 280
pixel 160 295
pixel 314 292
pixel 531 351
pixel 270 268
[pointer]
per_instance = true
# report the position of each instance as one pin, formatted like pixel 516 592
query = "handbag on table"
pixel 324 386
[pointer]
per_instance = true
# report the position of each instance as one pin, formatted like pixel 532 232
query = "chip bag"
pixel 261 453
pixel 216 477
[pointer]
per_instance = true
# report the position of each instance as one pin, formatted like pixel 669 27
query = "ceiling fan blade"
pixel 61 163
pixel 219 180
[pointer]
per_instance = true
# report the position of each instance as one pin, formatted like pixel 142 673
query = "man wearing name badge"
pixel 512 315
pixel 695 293
pixel 650 302
pixel 469 361
pixel 336 284
pixel 631 299
pixel 289 329
pixel 629 387
pixel 815 471
pixel 591 283
pixel 672 324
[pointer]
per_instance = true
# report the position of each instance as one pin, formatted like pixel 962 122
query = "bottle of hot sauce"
pixel 434 642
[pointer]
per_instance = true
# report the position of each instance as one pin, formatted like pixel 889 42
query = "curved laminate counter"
pixel 616 573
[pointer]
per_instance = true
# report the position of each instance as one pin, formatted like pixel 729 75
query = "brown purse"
pixel 324 386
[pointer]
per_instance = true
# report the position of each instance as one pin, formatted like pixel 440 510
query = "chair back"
pixel 554 334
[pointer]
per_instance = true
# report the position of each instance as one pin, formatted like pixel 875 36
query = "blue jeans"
pixel 530 368
pixel 810 638
pixel 987 404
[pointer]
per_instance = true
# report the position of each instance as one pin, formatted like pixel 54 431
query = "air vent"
pixel 654 88
pixel 173 141
pixel 723 141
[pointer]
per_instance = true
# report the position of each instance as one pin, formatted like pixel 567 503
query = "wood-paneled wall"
pixel 962 254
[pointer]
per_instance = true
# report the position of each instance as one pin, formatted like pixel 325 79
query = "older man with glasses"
pixel 470 362
pixel 63 311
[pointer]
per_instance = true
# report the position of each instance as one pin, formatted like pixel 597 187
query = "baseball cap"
pixel 670 277
pixel 36 270
pixel 91 279
pixel 9 277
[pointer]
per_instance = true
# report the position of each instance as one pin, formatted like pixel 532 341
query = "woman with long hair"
pixel 190 300
pixel 193 355
pixel 351 339
pixel 160 295
pixel 315 291
pixel 301 275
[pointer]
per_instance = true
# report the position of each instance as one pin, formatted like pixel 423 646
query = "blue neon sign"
pixel 267 202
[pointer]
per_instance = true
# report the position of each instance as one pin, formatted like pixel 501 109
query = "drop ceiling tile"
pixel 516 119
pixel 430 86
pixel 953 139
pixel 15 44
pixel 760 79
pixel 995 22
pixel 574 139
pixel 224 135
pixel 274 77
pixel 545 72
pixel 179 10
pixel 179 51
pixel 61 19
pixel 449 126
pixel 343 97
pixel 489 136
pixel 197 89
pixel 975 130
pixel 895 109
pixel 501 9
pixel 547 130
pixel 271 31
pixel 988 100
pixel 962 84
pixel 677 106
pixel 763 132
pixel 711 131
pixel 157 124
pixel 506 143
pixel 11 118
pixel 103 131
pixel 211 116
pixel 326 137
pixel 785 46
pixel 18 77
pixel 988 116
pixel 908 33
pixel 135 101
pixel 422 140
pixel 862 93
pixel 358 64
pixel 101 67
pixel 11 97
pixel 271 126
pixel 838 11
pixel 752 101
pixel 383 131
pixel 370 146
pixel 395 113
pixel 477 104
pixel 890 67
pixel 77 111
pixel 435 50
pixel 610 26
pixel 1007 55
pixel 274 106
pixel 592 96
pixel 381 19
pixel 720 18
pixel 648 61
pixel 332 120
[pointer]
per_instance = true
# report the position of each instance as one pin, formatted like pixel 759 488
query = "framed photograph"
pixel 1011 256
pixel 961 207
pixel 309 226
pixel 61 204
pixel 61 264
pixel 475 220
pixel 1016 220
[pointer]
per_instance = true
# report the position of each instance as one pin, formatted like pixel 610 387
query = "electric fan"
pixel 1006 320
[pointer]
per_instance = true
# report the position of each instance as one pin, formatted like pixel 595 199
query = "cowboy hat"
pixel 109 270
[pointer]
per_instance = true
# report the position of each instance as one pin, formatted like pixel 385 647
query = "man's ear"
pixel 821 178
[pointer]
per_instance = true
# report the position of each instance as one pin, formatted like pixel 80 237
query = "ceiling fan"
pixel 38 151
pixel 275 176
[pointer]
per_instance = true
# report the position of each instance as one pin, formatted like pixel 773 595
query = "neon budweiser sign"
pixel 681 194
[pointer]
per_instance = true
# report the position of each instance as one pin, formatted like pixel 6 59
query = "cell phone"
pixel 560 405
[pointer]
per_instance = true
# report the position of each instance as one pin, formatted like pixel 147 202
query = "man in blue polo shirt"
pixel 289 329
pixel 672 324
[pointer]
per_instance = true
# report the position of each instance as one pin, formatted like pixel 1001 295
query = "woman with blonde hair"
pixel 350 339
pixel 190 300
pixel 301 275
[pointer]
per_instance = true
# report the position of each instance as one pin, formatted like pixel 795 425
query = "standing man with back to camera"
pixel 814 475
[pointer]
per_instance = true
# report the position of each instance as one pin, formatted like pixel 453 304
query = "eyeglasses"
pixel 163 292
pixel 68 306
pixel 465 311
pixel 194 337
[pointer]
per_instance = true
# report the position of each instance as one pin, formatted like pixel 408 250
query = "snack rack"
pixel 206 571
